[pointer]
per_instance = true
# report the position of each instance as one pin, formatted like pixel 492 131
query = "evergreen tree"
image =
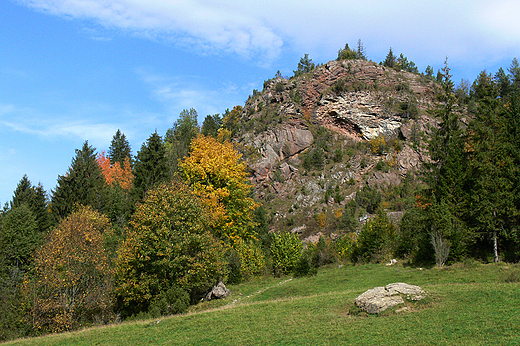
pixel 35 198
pixel 361 51
pixel 82 184
pixel 347 53
pixel 446 173
pixel 211 125
pixel 305 65
pixel 514 74
pixel 492 166
pixel 503 83
pixel 150 167
pixel 178 138
pixel 119 149
pixel 429 72
pixel 19 237
pixel 390 60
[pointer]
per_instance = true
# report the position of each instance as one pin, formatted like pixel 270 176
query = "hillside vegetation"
pixel 347 162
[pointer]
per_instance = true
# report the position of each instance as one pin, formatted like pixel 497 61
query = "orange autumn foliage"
pixel 114 172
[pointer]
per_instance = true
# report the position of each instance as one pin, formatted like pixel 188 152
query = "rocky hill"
pixel 313 141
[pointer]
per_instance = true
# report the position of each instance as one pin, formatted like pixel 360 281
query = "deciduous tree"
pixel 72 276
pixel 215 170
pixel 178 138
pixel 168 243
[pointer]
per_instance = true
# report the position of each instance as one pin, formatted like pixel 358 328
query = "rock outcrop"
pixel 336 114
pixel 278 145
pixel 378 299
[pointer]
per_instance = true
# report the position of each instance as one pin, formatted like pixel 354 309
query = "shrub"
pixel 314 159
pixel 344 246
pixel 234 266
pixel 375 241
pixel 304 266
pixel 338 155
pixel 382 165
pixel 286 250
pixel 252 259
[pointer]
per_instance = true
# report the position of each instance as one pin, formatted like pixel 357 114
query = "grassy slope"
pixel 470 305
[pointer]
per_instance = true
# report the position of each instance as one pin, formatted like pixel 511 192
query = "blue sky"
pixel 76 70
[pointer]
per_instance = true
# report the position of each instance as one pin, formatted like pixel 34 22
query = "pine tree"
pixel 361 51
pixel 119 149
pixel 305 65
pixel 150 167
pixel 82 184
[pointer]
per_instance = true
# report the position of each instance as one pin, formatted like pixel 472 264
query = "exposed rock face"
pixel 217 292
pixel 379 299
pixel 277 145
pixel 371 99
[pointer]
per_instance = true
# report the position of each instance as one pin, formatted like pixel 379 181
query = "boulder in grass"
pixel 379 299
pixel 218 291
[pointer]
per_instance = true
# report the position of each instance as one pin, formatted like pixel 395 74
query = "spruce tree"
pixel 446 174
pixel 150 167
pixel 35 198
pixel 119 149
pixel 211 125
pixel 390 60
pixel 492 166
pixel 82 184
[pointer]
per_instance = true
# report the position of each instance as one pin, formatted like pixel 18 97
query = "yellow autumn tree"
pixel 72 279
pixel 214 169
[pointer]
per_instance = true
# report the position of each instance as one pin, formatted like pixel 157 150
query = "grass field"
pixel 471 304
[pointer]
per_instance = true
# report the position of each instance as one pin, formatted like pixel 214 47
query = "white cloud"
pixel 260 30
pixel 214 26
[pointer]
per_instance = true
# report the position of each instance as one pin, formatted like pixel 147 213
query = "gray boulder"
pixel 218 291
pixel 379 299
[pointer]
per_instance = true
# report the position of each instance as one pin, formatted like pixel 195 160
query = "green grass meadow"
pixel 468 304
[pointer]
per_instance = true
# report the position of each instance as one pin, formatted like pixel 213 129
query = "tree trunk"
pixel 495 246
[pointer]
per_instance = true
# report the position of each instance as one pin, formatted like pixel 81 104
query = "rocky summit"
pixel 313 141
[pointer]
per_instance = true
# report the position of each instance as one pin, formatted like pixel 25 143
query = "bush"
pixel 314 159
pixel 252 259
pixel 286 250
pixel 173 301
pixel 375 241
pixel 343 247
pixel 304 266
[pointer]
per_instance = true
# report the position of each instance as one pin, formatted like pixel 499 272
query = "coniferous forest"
pixel 127 235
